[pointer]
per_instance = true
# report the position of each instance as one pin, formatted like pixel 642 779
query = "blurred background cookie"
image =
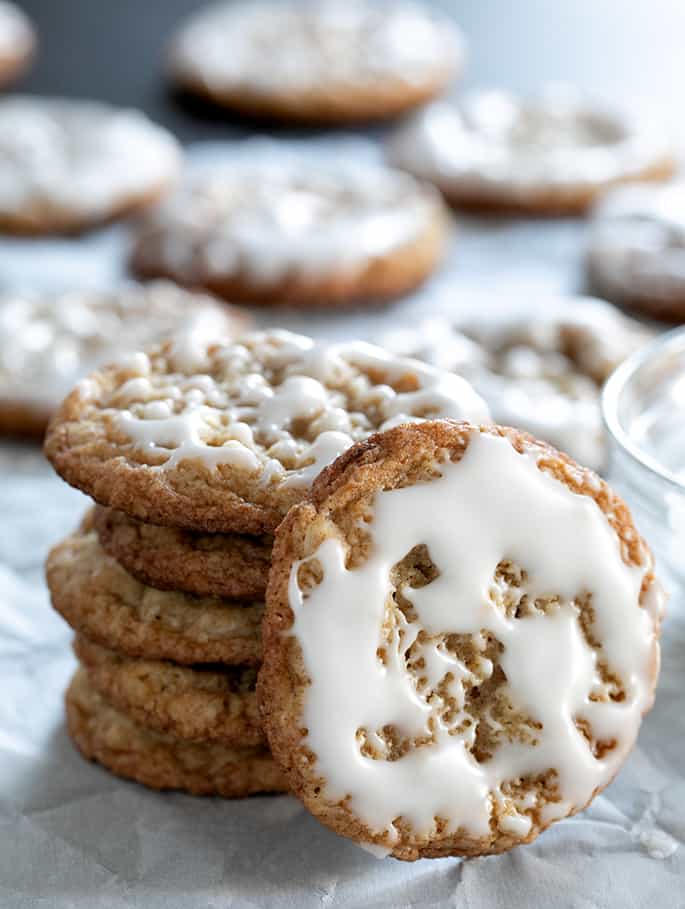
pixel 494 151
pixel 17 42
pixel 48 341
pixel 297 233
pixel 68 165
pixel 540 368
pixel 636 251
pixel 322 62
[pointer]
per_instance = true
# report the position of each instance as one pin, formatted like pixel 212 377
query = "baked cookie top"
pixel 17 39
pixel 460 640
pixel 267 222
pixel 231 437
pixel 539 369
pixel 492 142
pixel 291 48
pixel 48 341
pixel 66 164
pixel 637 247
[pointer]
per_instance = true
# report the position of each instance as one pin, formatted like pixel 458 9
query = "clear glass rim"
pixel 611 395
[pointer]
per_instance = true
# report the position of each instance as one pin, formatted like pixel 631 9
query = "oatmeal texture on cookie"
pixel 461 639
pixel 231 437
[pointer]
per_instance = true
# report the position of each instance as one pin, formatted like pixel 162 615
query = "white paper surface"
pixel 71 835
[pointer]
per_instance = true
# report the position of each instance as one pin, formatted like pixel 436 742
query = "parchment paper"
pixel 71 835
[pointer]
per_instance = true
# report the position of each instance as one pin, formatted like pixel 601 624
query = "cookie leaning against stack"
pixel 188 449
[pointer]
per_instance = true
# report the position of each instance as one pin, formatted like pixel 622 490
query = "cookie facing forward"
pixel 296 232
pixel 69 165
pixel 228 438
pixel 461 638
pixel 322 62
pixel 553 156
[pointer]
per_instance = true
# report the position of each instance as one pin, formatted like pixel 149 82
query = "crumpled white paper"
pixel 72 835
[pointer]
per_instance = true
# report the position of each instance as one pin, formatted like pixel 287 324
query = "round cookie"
pixel 103 734
pixel 327 62
pixel 17 42
pixel 494 152
pixel 296 232
pixel 100 600
pixel 70 165
pixel 170 558
pixel 229 440
pixel 540 368
pixel 461 638
pixel 636 252
pixel 49 341
pixel 203 704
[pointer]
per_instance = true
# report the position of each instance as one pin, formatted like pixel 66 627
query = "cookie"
pixel 496 152
pixel 637 249
pixel 100 600
pixel 229 440
pixel 48 341
pixel 17 42
pixel 317 62
pixel 540 368
pixel 203 704
pixel 296 232
pixel 103 734
pixel 171 558
pixel 69 165
pixel 460 640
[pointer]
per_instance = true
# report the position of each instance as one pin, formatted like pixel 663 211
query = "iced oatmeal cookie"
pixel 228 439
pixel 296 232
pixel 320 62
pixel 68 165
pixel 460 641
pixel 495 152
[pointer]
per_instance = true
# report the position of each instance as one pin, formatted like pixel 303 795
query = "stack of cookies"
pixel 194 452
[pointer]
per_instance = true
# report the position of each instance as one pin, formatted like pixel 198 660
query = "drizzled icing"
pixel 16 34
pixel 278 404
pixel 637 241
pixel 286 47
pixel 493 140
pixel 539 371
pixel 77 156
pixel 494 504
pixel 47 342
pixel 270 220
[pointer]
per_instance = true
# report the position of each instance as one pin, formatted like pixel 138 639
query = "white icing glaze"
pixel 470 519
pixel 16 33
pixel 267 221
pixel 493 141
pixel 315 46
pixel 244 412
pixel 80 157
pixel 48 341
pixel 539 371
pixel 637 241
